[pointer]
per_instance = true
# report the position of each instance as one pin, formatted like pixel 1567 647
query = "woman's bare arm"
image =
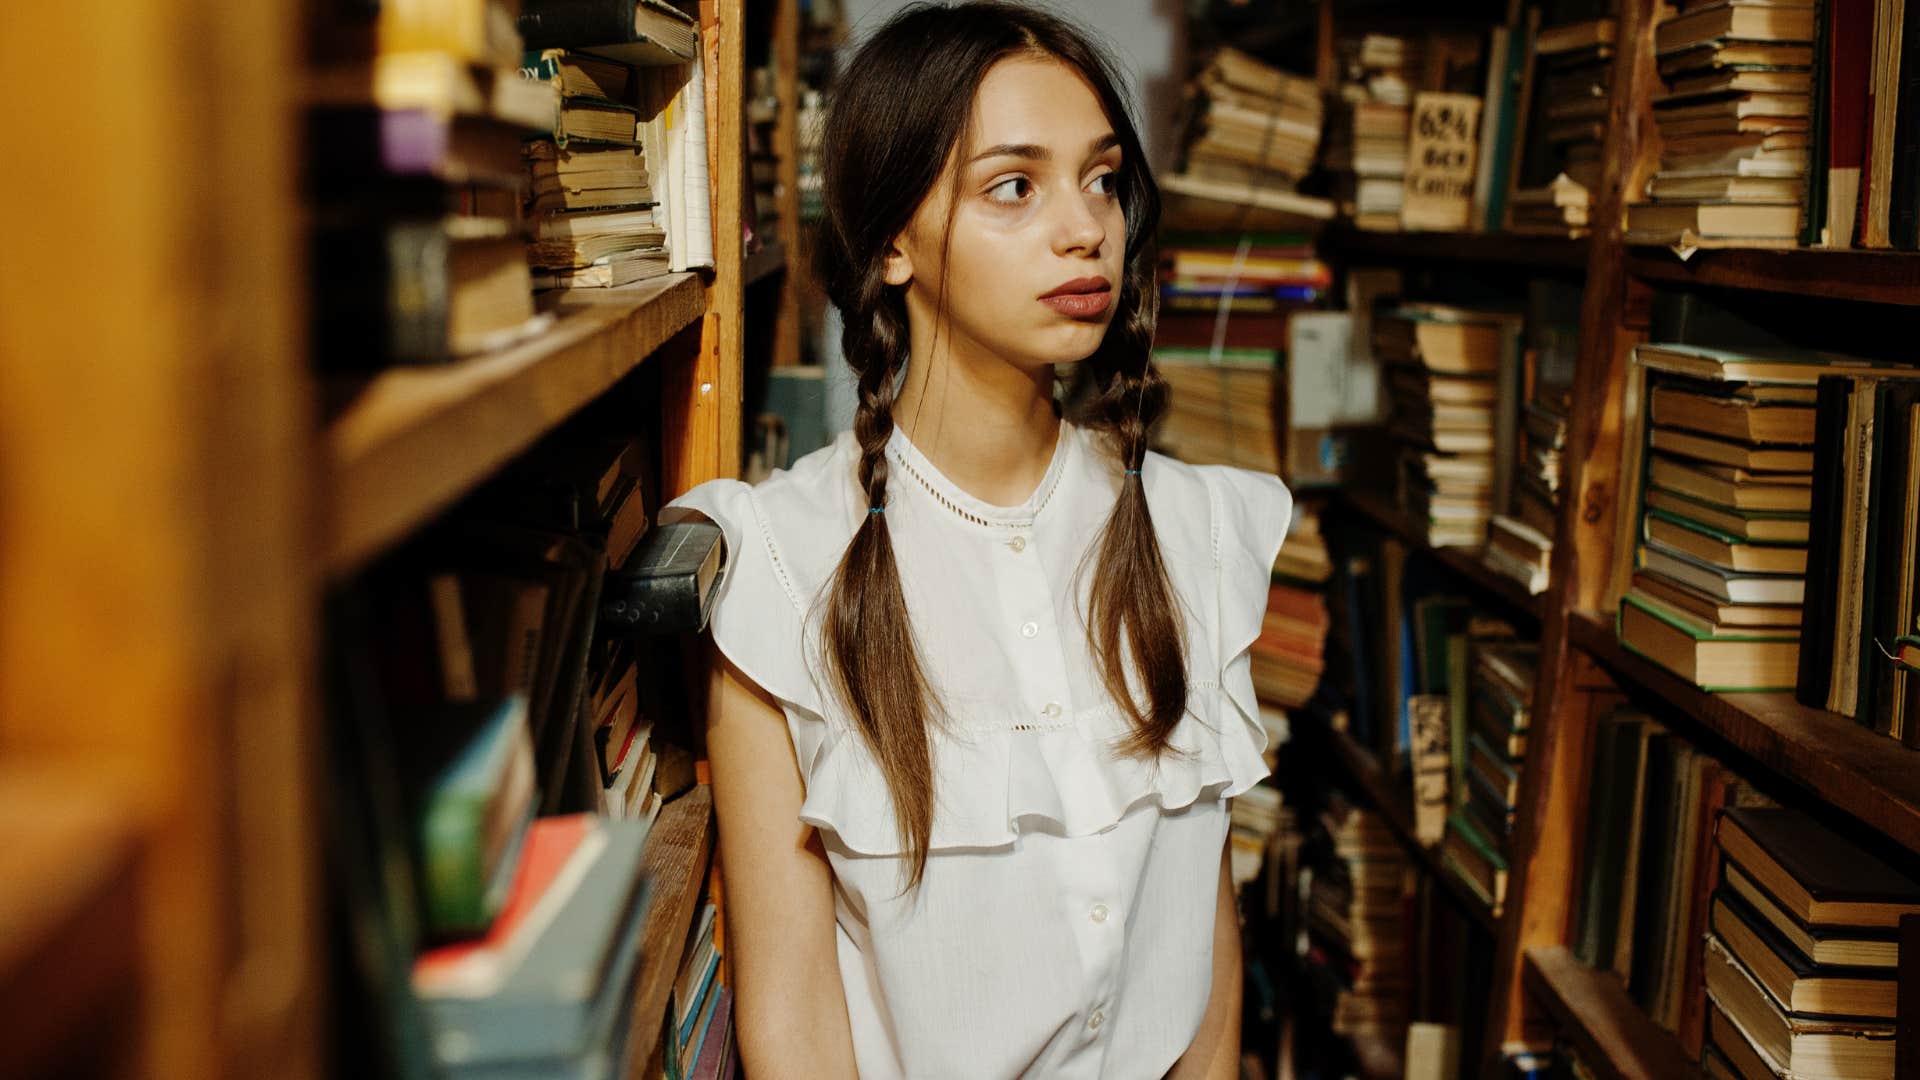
pixel 1215 1053
pixel 790 1010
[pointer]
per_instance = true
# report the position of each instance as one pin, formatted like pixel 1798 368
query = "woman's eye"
pixel 1111 182
pixel 1013 189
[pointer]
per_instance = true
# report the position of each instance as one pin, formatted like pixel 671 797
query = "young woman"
pixel 1009 648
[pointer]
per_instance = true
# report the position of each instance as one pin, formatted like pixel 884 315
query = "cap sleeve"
pixel 1251 513
pixel 758 615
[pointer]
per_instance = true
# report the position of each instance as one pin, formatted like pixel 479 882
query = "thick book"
pixel 1792 1044
pixel 1677 532
pixel 1729 662
pixel 473 808
pixel 1796 983
pixel 1838 946
pixel 1742 526
pixel 1737 417
pixel 649 32
pixel 1726 586
pixel 1736 489
pixel 669 585
pixel 540 987
pixel 1817 875
pixel 1740 20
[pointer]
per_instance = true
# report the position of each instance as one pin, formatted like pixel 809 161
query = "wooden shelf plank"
pixel 1395 803
pixel 769 260
pixel 1544 252
pixel 1465 562
pixel 676 862
pixel 1885 277
pixel 1614 1037
pixel 1867 775
pixel 412 440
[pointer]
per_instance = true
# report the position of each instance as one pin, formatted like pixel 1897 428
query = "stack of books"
pixel 1800 965
pixel 1442 366
pixel 1498 705
pixel 1252 133
pixel 1290 653
pixel 1252 273
pixel 1221 406
pixel 1258 819
pixel 1723 522
pixel 1733 126
pixel 413 170
pixel 1355 925
pixel 546 989
pixel 763 158
pixel 1573 65
pixel 1253 124
pixel 1520 538
pixel 630 151
pixel 1368 129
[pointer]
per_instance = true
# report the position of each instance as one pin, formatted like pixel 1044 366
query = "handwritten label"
pixel 1442 156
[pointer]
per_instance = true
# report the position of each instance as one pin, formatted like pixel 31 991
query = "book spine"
pixel 1903 214
pixel 1829 466
pixel 566 24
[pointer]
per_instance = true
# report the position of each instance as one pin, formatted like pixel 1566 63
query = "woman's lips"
pixel 1080 305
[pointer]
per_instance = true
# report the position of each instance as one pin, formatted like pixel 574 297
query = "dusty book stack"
pixel 1733 121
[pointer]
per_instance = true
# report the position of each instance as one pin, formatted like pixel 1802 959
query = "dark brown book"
pixel 1819 877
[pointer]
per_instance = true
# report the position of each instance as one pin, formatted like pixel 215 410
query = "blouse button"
pixel 1096 1019
pixel 1052 709
pixel 1099 913
pixel 1029 628
pixel 1018 543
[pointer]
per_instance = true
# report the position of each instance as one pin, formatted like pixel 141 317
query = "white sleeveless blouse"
pixel 1064 927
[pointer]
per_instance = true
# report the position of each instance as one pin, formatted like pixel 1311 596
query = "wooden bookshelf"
pixel 1882 277
pixel 678 850
pixel 1506 249
pixel 412 440
pixel 1465 562
pixel 1394 802
pixel 1593 1010
pixel 1843 763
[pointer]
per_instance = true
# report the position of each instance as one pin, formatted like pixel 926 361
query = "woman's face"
pixel 1032 273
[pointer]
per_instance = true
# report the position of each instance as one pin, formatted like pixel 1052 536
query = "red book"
pixel 554 860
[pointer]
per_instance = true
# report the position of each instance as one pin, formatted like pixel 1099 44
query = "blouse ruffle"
pixel 996 777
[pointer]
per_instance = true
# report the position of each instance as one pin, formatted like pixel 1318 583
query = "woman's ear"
pixel 899 266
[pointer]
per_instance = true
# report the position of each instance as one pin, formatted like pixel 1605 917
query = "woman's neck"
pixel 988 426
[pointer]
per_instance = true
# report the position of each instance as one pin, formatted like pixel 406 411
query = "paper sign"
pixel 1443 151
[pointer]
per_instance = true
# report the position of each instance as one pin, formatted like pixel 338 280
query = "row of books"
pixel 431 214
pixel 1731 587
pixel 501 758
pixel 1444 366
pixel 1487 750
pixel 1356 931
pixel 1290 653
pixel 1762 939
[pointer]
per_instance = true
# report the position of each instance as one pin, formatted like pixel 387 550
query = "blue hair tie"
pixel 876 509
pixel 1133 472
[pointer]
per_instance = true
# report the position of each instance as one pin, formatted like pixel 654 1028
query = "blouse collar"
pixel 921 470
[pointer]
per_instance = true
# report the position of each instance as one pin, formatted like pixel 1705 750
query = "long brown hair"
pixel 902 104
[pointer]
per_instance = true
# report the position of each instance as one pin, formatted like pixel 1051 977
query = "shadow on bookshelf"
pixel 1885 277
pixel 1614 1037
pixel 1394 802
pixel 771 259
pixel 1465 562
pixel 1540 252
pixel 1858 771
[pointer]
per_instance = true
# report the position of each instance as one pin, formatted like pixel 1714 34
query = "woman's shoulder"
pixel 803 514
pixel 1238 508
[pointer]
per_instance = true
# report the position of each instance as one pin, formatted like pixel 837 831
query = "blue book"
pixel 564 999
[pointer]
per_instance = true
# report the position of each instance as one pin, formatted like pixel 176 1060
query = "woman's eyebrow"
pixel 1036 152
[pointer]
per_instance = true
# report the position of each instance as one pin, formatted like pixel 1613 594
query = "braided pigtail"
pixel 869 638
